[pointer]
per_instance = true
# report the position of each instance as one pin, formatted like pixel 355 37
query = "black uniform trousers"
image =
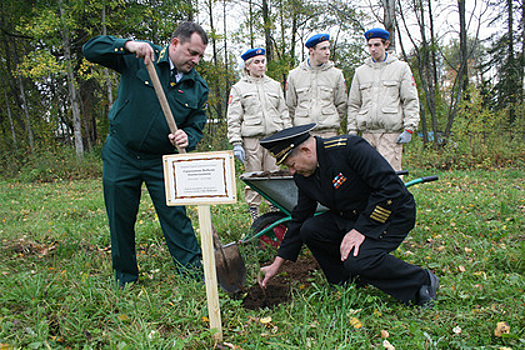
pixel 123 174
pixel 323 235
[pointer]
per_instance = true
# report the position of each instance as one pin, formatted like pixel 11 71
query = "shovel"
pixel 231 271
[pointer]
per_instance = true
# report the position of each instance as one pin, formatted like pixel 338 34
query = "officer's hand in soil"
pixel 141 50
pixel 352 240
pixel 269 271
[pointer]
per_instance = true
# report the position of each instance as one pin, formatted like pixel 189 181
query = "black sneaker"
pixel 428 293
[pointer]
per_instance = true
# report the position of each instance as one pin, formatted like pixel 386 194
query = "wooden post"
pixel 210 274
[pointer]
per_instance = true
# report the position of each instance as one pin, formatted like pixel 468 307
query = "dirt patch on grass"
pixel 278 289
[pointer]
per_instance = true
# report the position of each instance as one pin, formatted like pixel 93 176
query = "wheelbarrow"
pixel 280 190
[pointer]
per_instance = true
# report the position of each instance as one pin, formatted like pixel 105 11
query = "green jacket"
pixel 136 117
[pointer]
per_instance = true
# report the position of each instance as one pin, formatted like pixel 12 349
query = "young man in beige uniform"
pixel 383 103
pixel 316 90
pixel 256 109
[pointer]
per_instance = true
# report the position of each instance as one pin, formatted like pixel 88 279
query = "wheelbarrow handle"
pixel 421 180
pixel 430 178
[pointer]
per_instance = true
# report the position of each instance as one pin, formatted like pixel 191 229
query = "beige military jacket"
pixel 383 97
pixel 316 95
pixel 256 108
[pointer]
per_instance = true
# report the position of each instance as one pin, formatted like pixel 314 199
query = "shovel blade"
pixel 231 271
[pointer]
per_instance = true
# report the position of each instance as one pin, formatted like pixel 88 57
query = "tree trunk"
pixel 106 70
pixel 217 88
pixel 11 123
pixel 389 21
pixel 250 26
pixel 463 46
pixel 77 122
pixel 29 129
pixel 432 67
pixel 267 30
pixel 462 78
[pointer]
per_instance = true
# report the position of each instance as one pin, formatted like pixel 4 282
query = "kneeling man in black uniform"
pixel 370 214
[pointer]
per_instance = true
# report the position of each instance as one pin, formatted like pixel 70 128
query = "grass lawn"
pixel 57 289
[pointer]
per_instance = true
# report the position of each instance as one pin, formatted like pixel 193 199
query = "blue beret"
pixel 316 39
pixel 377 33
pixel 253 52
pixel 283 143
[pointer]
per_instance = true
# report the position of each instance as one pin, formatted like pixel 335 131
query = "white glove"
pixel 405 137
pixel 238 152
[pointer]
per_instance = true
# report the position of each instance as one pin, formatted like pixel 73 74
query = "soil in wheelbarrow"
pixel 277 173
pixel 278 289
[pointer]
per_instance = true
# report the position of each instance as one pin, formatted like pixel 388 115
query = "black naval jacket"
pixel 354 181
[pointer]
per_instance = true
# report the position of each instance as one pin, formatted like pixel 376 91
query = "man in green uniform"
pixel 139 135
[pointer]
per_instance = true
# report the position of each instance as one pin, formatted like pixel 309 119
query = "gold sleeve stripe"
pixel 335 143
pixel 382 210
pixel 380 214
pixel 378 219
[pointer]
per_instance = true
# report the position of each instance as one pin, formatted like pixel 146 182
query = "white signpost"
pixel 203 179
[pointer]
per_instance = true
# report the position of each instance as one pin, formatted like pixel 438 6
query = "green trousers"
pixel 124 173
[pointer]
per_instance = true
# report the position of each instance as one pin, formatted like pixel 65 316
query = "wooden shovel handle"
pixel 163 101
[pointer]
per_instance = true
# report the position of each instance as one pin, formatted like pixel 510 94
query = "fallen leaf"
pixel 123 317
pixel 501 328
pixel 265 320
pixel 205 319
pixel 462 268
pixel 481 273
pixel 468 250
pixel 354 322
pixel 384 334
pixel 387 345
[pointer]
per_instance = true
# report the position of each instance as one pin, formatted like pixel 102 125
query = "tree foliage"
pixel 44 75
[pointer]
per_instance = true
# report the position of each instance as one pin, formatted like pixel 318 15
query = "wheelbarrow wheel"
pixel 275 236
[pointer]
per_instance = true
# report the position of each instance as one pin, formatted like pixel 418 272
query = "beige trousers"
pixel 385 143
pixel 257 158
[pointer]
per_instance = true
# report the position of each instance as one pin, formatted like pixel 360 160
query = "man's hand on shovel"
pixel 179 139
pixel 141 50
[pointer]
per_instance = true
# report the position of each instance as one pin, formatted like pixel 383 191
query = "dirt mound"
pixel 278 289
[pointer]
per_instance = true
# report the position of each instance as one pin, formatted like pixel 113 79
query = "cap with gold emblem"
pixel 377 33
pixel 283 143
pixel 252 53
pixel 316 39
